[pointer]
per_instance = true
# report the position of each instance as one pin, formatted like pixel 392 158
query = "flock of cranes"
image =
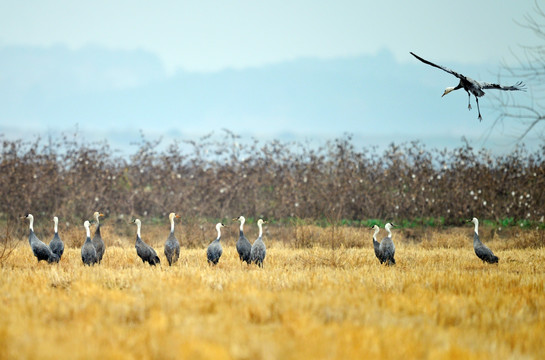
pixel 247 252
pixel 92 250
pixel 385 250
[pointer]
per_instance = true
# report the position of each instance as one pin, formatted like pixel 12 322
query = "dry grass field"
pixel 438 302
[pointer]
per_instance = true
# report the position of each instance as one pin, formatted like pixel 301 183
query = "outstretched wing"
pixel 518 86
pixel 459 76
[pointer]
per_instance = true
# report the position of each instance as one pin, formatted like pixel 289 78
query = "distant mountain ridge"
pixel 52 89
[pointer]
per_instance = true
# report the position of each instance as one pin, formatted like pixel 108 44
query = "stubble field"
pixel 438 302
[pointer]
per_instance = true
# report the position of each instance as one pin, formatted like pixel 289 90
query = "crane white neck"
pixel 242 220
pixel 388 227
pixel 56 221
pixel 31 220
pixel 87 231
pixel 260 226
pixel 97 216
pixel 138 225
pixel 377 229
pixel 218 228
pixel 476 222
pixel 172 224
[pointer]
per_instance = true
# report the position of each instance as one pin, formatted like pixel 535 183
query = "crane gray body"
pixel 387 251
pixel 258 252
pixel 98 243
pixel 56 245
pixel 172 249
pixel 243 247
pixel 214 252
pixel 482 251
pixel 387 248
pixel 40 250
pixel 88 252
pixel 146 252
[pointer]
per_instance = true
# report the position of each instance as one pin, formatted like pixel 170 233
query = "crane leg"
pixel 469 100
pixel 479 110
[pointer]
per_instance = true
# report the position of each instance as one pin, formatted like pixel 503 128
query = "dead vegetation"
pixel 223 176
pixel 439 301
pixel 7 243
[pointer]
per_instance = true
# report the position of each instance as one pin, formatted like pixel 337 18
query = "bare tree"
pixel 528 112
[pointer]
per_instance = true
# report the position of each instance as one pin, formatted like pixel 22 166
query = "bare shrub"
pixel 220 177
pixel 7 243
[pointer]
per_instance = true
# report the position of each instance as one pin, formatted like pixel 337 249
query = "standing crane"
pixel 243 245
pixel 376 244
pixel 172 245
pixel 143 250
pixel 387 248
pixel 481 250
pixel 214 250
pixel 258 250
pixel 56 245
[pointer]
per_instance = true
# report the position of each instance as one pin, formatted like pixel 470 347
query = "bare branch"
pixel 528 112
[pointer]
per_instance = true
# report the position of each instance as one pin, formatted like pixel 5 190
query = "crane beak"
pixel 101 214
pixel 177 216
pixel 447 90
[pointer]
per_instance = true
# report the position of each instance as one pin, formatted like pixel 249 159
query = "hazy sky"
pixel 209 35
pixel 282 67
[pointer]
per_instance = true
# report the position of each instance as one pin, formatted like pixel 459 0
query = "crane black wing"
pixel 459 76
pixel 518 86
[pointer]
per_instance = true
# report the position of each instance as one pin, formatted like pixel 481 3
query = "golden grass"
pixel 439 302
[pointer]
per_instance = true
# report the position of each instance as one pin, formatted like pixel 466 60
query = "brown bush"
pixel 214 179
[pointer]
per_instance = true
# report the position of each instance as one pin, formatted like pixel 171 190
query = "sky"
pixel 266 68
